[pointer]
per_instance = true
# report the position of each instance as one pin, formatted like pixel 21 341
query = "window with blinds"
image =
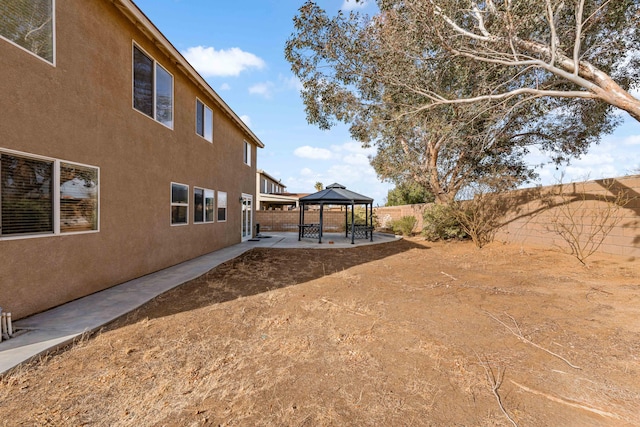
pixel 29 24
pixel 46 196
pixel 25 195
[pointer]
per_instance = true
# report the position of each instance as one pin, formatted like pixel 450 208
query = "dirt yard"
pixel 409 333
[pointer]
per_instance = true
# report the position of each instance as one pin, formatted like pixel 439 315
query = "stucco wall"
pixel 80 110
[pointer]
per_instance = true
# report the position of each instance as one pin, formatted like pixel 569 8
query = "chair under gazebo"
pixel 336 194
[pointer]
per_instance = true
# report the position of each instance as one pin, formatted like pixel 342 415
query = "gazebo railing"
pixel 360 231
pixel 309 230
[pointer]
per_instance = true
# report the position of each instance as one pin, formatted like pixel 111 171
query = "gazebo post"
pixel 321 223
pixel 346 221
pixel 301 219
pixel 353 226
pixel 371 218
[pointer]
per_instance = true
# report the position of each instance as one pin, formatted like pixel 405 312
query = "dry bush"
pixel 481 216
pixel 583 220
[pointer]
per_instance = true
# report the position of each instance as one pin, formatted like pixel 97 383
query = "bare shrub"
pixel 583 220
pixel 481 216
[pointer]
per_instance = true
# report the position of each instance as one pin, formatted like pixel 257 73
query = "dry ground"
pixel 406 333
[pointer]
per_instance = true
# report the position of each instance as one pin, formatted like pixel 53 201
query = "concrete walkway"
pixel 59 326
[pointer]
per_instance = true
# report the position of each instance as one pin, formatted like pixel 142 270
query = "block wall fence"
pixel 529 219
pixel 276 220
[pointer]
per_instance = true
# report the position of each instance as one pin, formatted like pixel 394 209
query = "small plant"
pixel 441 223
pixel 404 225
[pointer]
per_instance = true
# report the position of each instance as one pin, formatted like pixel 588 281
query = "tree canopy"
pixel 443 114
pixel 408 194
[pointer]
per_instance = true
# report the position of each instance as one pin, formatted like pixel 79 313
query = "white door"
pixel 247 216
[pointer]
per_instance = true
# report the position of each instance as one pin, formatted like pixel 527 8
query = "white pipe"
pixel 9 326
pixel 4 326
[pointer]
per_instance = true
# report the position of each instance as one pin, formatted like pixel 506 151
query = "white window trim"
pixel 55 190
pixel 155 76
pixel 179 204
pixel 206 107
pixel 53 34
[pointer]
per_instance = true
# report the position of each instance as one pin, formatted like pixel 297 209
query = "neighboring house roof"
pixel 140 20
pixel 266 175
pixel 336 194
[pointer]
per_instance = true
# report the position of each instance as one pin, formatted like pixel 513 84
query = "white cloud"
pixel 631 140
pixel 615 156
pixel 263 89
pixel 292 83
pixel 306 172
pixel 314 153
pixel 246 119
pixel 225 86
pixel 356 159
pixel 221 63
pixel 352 5
pixel 354 147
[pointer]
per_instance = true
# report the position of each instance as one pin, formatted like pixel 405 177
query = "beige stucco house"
pixel 272 193
pixel 117 159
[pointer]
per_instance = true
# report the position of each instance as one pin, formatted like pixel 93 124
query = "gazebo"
pixel 336 194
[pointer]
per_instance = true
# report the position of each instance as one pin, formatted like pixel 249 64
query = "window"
pixel 208 205
pixel 152 88
pixel 247 153
pixel 31 206
pixel 27 202
pixel 179 204
pixel 198 205
pixel 30 25
pixel 204 121
pixel 78 198
pixel 222 206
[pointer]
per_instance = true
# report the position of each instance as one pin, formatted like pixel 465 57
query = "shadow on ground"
pixel 260 270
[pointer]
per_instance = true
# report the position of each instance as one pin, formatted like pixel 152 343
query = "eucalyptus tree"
pixel 383 75
pixel 580 49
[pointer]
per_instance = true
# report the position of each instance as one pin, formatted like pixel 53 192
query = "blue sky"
pixel 238 47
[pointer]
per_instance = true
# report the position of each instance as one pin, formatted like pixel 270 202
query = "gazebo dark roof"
pixel 336 194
